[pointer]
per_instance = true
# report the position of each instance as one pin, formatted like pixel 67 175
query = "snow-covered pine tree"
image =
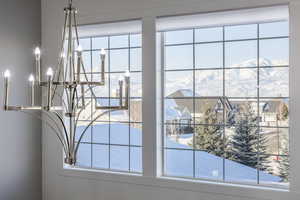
pixel 246 141
pixel 283 162
pixel 284 168
pixel 210 137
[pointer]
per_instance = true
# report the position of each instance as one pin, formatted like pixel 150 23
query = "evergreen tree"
pixel 210 138
pixel 247 142
pixel 284 168
pixel 283 163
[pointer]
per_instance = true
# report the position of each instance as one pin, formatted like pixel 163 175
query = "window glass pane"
pixel 274 82
pixel 209 55
pixel 179 57
pixel 242 111
pixel 209 138
pixel 85 43
pixel 179 135
pixel 209 111
pixel 119 133
pixel 208 166
pixel 119 41
pixel 136 110
pixel 277 172
pixel 79 131
pixel 136 159
pixel 101 132
pixel 209 83
pixel 87 59
pixel 274 141
pixel 100 42
pixel 119 157
pixel 119 115
pixel 274 29
pixel 179 37
pixel 135 40
pixel 119 60
pixel 209 34
pixel 179 110
pixel 84 155
pixel 241 54
pixel 274 52
pixel 182 167
pixel 178 83
pixel 136 85
pixel 101 91
pixel 240 32
pixel 241 83
pixel 136 134
pixel 100 156
pixel 274 112
pixel 136 59
pixel 241 172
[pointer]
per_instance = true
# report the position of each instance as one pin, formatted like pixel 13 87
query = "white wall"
pixel 77 185
pixel 20 143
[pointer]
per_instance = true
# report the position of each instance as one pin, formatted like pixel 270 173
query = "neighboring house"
pixel 180 113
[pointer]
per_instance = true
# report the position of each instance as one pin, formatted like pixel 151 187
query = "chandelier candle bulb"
pixel 37 53
pixel 127 86
pixel 49 93
pixel 32 85
pixel 79 54
pixel 102 56
pixel 120 92
pixel 6 88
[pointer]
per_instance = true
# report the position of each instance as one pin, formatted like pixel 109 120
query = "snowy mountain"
pixel 240 82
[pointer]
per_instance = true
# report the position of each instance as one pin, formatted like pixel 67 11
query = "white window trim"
pixel 152 178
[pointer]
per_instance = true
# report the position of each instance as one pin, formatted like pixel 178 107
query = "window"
pixel 222 93
pixel 226 102
pixel 114 142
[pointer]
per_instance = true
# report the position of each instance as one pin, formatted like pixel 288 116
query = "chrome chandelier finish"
pixel 66 88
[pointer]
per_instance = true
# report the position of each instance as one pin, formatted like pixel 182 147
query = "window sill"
pixel 201 186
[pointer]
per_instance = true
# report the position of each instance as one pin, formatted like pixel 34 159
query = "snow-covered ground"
pixel 177 162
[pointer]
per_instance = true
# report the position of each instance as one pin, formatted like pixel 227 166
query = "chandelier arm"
pixel 83 95
pixel 53 120
pixel 75 27
pixel 84 131
pixel 48 124
pixel 61 50
pixel 89 86
pixel 78 115
pixel 82 64
pixel 64 127
pixel 62 99
pixel 73 99
pixel 57 126
pixel 65 90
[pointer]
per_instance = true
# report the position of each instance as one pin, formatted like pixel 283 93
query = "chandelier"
pixel 67 86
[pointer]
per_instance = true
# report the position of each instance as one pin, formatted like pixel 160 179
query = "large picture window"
pixel 114 142
pixel 216 103
pixel 226 103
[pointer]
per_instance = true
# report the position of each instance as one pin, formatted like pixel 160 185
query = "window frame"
pixel 223 68
pixel 110 97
